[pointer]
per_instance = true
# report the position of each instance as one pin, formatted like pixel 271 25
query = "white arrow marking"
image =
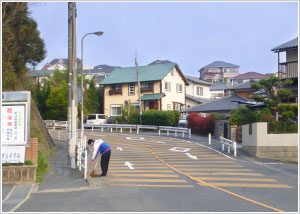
pixel 191 156
pixel 179 149
pixel 119 148
pixel 159 142
pixel 130 165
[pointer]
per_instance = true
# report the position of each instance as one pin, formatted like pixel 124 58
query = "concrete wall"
pixel 271 146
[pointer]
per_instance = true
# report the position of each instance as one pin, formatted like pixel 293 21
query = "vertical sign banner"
pixel 13 124
pixel 13 154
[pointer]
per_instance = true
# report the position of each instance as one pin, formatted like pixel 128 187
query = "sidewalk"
pixel 59 178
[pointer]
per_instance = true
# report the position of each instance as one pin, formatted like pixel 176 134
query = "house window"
pixel 172 72
pixel 115 110
pixel 131 89
pixel 116 87
pixel 167 86
pixel 200 91
pixel 169 107
pixel 179 88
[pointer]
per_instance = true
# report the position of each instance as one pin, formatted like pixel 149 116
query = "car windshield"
pixel 101 116
pixel 91 117
pixel 183 117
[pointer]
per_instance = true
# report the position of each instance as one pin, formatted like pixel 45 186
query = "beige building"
pixel 218 71
pixel 197 92
pixel 162 88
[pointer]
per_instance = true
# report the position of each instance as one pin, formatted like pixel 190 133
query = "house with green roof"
pixel 162 88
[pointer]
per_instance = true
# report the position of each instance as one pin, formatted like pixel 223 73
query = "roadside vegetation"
pixel 22 47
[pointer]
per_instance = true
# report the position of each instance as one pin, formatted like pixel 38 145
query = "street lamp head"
pixel 100 33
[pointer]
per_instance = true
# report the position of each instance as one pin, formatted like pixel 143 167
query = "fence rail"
pixel 282 127
pixel 160 129
pixel 229 144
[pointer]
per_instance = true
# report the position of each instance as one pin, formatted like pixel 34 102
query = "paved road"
pixel 166 174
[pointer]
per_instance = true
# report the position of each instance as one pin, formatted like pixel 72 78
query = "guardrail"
pixel 55 124
pixel 229 144
pixel 167 129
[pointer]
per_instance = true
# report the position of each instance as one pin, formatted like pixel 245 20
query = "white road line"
pixel 130 165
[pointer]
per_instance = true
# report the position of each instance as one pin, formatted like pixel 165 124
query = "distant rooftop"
pixel 221 64
pixel 250 75
pixel 221 104
pixel 160 62
pixel 290 45
pixel 197 80
pixel 218 86
pixel 153 72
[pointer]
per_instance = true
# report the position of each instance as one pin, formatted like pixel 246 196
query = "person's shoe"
pixel 102 175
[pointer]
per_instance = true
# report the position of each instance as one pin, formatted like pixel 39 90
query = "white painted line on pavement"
pixel 135 138
pixel 191 156
pixel 130 165
pixel 237 159
pixel 180 149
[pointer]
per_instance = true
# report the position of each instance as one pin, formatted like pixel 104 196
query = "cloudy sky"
pixel 192 34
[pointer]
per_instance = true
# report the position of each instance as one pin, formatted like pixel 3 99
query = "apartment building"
pixel 218 71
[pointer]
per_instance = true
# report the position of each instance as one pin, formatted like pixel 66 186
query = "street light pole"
pixel 98 34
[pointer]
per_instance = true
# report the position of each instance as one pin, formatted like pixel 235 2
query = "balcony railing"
pixel 115 91
pixel 147 89
pixel 288 69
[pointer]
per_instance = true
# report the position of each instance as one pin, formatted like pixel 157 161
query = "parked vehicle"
pixel 182 123
pixel 96 119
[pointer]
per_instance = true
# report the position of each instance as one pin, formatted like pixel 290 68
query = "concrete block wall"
pixel 260 144
pixel 31 152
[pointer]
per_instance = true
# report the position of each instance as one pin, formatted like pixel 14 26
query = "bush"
pixel 199 124
pixel 287 116
pixel 241 116
pixel 28 162
pixel 43 166
pixel 218 116
pixel 265 115
pixel 160 118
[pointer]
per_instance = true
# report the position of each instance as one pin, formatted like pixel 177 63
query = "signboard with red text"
pixel 14 123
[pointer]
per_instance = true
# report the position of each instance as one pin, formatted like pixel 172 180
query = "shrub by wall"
pixel 160 118
pixel 199 124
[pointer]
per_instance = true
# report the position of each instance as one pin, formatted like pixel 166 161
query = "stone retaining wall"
pixel 18 174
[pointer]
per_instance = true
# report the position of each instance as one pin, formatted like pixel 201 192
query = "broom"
pixel 93 172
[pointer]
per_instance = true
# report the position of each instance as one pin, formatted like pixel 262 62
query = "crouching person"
pixel 103 148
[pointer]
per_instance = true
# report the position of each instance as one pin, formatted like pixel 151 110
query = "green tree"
pixel 273 91
pixel 21 44
pixel 242 115
pixel 57 103
pixel 92 99
pixel 40 96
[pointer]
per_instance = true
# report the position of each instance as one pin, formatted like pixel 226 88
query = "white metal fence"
pixel 82 156
pixel 229 144
pixel 160 129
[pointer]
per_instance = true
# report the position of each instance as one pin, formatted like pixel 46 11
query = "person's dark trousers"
pixel 104 162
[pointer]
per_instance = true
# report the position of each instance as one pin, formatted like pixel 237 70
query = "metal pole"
pixel 139 87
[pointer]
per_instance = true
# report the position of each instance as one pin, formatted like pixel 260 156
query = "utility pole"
pixel 139 87
pixel 72 81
